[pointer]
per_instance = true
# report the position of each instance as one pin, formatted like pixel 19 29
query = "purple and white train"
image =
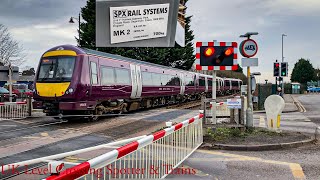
pixel 72 80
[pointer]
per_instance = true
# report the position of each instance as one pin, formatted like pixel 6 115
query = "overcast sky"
pixel 41 24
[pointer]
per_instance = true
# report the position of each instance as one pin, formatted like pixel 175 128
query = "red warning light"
pixel 228 51
pixel 209 51
pixel 277 65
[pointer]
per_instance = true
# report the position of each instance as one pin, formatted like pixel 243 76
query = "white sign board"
pixel 244 90
pixel 234 103
pixel 245 62
pixel 132 23
pixel 248 48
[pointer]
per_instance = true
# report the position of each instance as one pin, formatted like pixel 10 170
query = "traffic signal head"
pixel 276 69
pixel 284 69
pixel 216 55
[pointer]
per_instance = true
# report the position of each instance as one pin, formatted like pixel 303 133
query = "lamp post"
pixel 79 20
pixel 283 35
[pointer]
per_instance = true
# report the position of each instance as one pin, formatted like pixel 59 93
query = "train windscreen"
pixel 56 69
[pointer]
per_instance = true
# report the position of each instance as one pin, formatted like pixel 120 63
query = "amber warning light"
pixel 209 51
pixel 228 51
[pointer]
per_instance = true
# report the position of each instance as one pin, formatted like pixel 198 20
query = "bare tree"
pixel 10 50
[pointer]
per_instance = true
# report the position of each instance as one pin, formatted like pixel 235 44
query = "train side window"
pixel 190 81
pixel 107 76
pixel 147 79
pixel 94 73
pixel 210 83
pixel 227 83
pixel 156 79
pixel 202 82
pixel 234 83
pixel 172 81
pixel 122 76
pixel 164 79
pixel 177 81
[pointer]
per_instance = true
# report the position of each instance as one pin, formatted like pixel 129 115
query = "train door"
pixel 95 88
pixel 196 82
pixel 139 81
pixel 182 84
pixel 135 81
pixel 206 83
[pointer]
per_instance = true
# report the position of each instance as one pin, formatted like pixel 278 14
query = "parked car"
pixel 5 94
pixel 20 89
pixel 313 89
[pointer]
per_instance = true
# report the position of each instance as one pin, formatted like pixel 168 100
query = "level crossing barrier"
pixel 13 110
pixel 151 157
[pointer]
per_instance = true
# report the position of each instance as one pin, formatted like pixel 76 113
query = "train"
pixel 73 80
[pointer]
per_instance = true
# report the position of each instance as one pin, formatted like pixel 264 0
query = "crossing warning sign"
pixel 132 23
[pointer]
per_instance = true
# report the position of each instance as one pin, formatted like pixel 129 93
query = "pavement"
pixel 290 105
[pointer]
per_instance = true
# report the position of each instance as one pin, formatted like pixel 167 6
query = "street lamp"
pixel 79 20
pixel 256 74
pixel 283 35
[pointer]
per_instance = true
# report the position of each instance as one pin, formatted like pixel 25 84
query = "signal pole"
pixel 282 89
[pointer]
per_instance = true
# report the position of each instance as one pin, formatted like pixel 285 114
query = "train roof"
pixel 233 79
pixel 118 57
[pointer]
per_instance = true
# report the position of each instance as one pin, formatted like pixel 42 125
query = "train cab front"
pixel 55 79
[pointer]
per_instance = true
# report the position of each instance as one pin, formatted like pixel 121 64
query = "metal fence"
pixel 13 110
pixel 152 157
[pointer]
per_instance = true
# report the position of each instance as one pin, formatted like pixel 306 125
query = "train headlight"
pixel 71 90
